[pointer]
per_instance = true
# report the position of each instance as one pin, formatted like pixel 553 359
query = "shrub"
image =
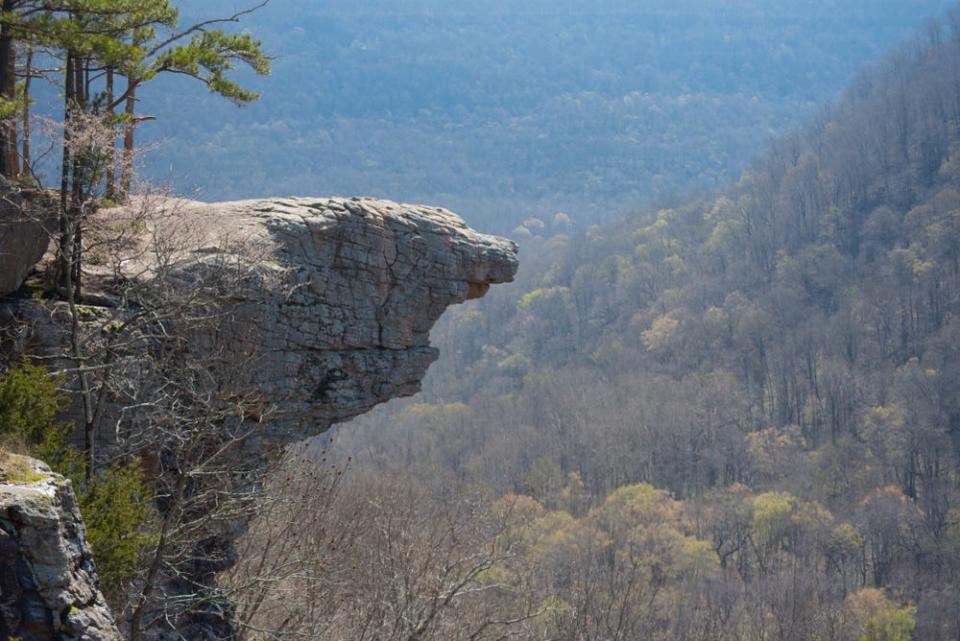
pixel 117 510
pixel 30 402
pixel 115 504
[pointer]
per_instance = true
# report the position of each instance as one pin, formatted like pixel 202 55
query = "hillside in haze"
pixel 506 110
pixel 781 357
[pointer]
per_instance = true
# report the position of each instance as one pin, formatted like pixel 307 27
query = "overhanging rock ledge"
pixel 362 283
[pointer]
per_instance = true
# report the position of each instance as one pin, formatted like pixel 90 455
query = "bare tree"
pixel 378 559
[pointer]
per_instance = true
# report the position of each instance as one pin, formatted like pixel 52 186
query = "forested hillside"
pixel 507 110
pixel 731 415
pixel 780 360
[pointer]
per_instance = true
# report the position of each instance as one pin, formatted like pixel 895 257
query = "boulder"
pixel 25 222
pixel 48 584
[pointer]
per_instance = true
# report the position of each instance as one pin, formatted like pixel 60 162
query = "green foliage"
pixel 116 505
pixel 9 108
pixel 771 513
pixel 891 624
pixel 101 29
pixel 877 618
pixel 118 514
pixel 542 294
pixel 209 56
pixel 846 539
pixel 30 402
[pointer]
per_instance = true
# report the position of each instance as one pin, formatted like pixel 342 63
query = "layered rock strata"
pixel 361 284
pixel 355 286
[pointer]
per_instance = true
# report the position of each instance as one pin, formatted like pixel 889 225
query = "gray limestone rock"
pixel 357 284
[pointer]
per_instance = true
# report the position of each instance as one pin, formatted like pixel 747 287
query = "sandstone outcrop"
pixel 355 286
pixel 48 585
pixel 361 283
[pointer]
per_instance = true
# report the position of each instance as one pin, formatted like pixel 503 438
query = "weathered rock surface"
pixel 355 286
pixel 24 235
pixel 48 585
pixel 363 283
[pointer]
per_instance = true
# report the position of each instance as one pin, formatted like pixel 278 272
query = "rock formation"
pixel 48 586
pixel 340 315
pixel 24 235
pixel 354 287
pixel 361 282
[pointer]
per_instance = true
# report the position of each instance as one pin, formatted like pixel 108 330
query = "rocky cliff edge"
pixel 344 294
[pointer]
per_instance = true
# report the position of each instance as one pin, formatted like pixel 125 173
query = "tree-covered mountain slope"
pixel 796 333
pixel 737 418
pixel 506 110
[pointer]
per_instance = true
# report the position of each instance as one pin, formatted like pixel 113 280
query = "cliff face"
pixel 359 285
pixel 329 315
pixel 48 587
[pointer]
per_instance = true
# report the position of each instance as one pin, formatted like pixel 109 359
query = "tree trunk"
pixel 111 153
pixel 70 242
pixel 64 257
pixel 26 168
pixel 77 179
pixel 126 163
pixel 10 93
pixel 9 168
